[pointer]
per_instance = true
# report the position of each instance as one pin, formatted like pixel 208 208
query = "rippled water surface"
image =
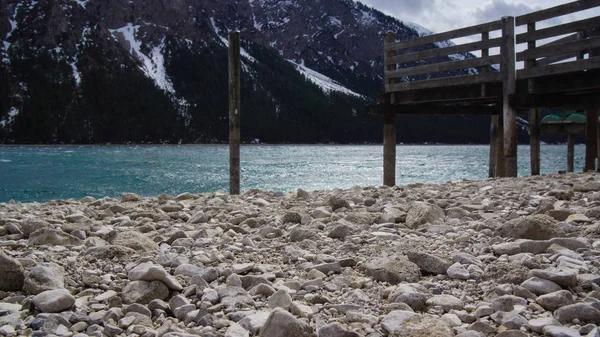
pixel 41 173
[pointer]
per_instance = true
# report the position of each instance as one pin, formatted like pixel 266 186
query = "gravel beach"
pixel 498 257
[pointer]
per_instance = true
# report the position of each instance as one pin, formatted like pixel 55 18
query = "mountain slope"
pixel 93 71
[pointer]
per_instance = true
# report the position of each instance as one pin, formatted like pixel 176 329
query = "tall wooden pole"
pixel 389 127
pixel 500 167
pixel 485 36
pixel 509 88
pixel 234 112
pixel 493 147
pixel 534 114
pixel 591 141
pixel 570 152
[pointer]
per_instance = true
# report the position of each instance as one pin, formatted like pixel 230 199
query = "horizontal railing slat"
pixel 553 59
pixel 558 30
pixel 559 49
pixel 478 29
pixel 440 52
pixel 444 82
pixel 443 66
pixel 579 65
pixel 553 12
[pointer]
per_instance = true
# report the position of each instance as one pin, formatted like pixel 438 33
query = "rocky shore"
pixel 497 257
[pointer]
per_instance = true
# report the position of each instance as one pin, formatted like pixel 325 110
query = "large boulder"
pixel 12 273
pixel 534 227
pixel 56 300
pixel 422 213
pixel 393 271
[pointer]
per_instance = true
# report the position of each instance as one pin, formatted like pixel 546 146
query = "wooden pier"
pixel 518 73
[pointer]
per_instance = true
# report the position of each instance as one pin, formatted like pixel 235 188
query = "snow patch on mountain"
pixel 153 65
pixel 82 3
pixel 325 83
pixel 12 113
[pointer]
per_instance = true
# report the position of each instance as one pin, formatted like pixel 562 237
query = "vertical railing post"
pixel 234 112
pixel 534 113
pixel 485 52
pixel 591 138
pixel 508 89
pixel 389 124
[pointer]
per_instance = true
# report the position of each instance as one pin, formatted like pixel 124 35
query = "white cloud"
pixel 444 15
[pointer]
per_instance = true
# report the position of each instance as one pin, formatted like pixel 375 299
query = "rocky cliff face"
pixel 156 70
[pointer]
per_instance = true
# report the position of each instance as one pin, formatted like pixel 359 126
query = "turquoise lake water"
pixel 42 173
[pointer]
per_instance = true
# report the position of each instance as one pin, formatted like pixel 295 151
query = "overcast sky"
pixel 444 15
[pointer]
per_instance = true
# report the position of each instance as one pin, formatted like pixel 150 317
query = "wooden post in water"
pixel 234 112
pixel 534 114
pixel 500 167
pixel 485 52
pixel 509 88
pixel 570 152
pixel 591 141
pixel 389 127
pixel 493 146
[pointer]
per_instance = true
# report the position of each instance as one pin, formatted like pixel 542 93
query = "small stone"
pixel 422 213
pixel 582 311
pixel 53 237
pixel 130 197
pixel 395 318
pixel 457 271
pixel 540 286
pixel 555 300
pixel 507 303
pixel 560 331
pixel 538 324
pixel 447 302
pixel 429 263
pixel 149 272
pixel 564 278
pixel 280 299
pixel 46 276
pixel 236 330
pixel 281 324
pixel 143 292
pixel 423 326
pixel 393 271
pixel 335 329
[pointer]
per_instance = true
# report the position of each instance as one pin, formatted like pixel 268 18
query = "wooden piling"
pixel 500 166
pixel 591 141
pixel 509 88
pixel 534 114
pixel 493 146
pixel 389 126
pixel 234 113
pixel 534 140
pixel 570 152
pixel 389 149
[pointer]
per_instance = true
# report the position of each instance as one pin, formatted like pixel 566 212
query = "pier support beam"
pixel 509 88
pixel 534 140
pixel 500 167
pixel 570 152
pixel 591 139
pixel 234 113
pixel 493 146
pixel 389 149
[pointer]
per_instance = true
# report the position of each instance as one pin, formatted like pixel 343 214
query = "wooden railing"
pixel 400 59
pixel 405 59
pixel 581 39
